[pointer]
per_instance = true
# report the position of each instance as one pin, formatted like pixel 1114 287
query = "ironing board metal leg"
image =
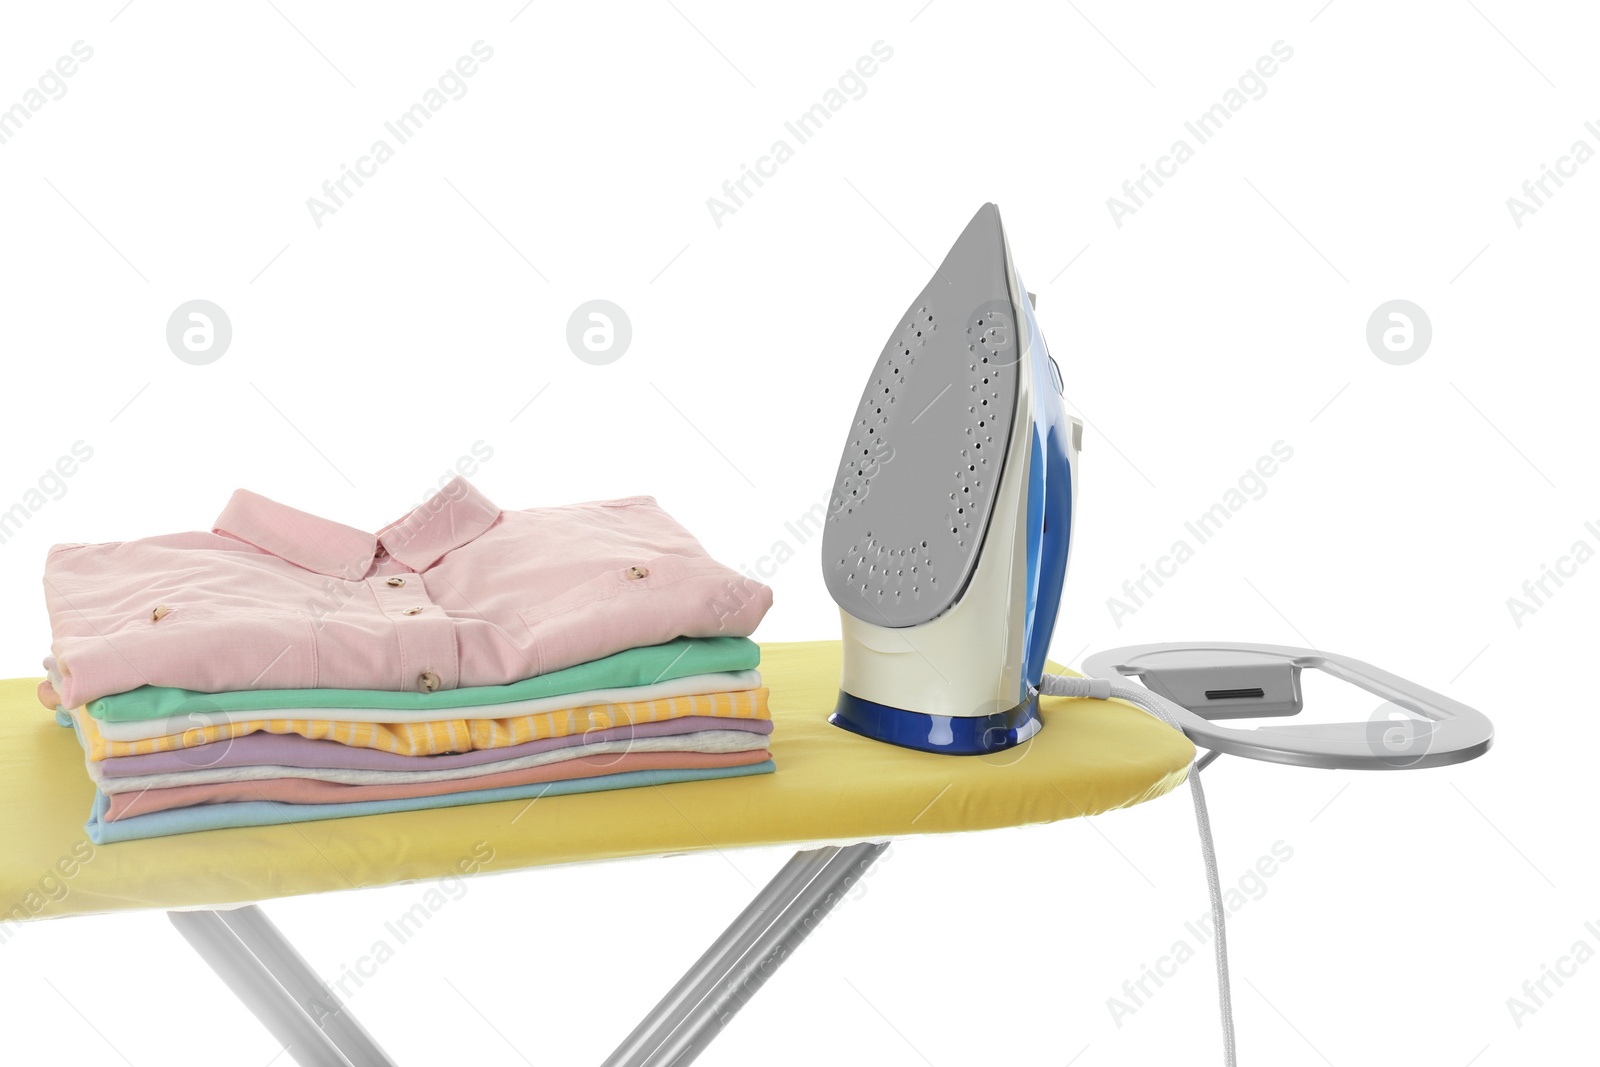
pixel 723 954
pixel 252 983
pixel 1205 761
pixel 809 903
pixel 258 934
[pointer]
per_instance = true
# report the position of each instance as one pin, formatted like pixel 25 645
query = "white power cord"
pixel 1104 689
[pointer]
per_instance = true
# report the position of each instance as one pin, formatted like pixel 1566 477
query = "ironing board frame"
pixel 255 960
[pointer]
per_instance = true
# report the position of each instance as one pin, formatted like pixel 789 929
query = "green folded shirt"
pixel 636 666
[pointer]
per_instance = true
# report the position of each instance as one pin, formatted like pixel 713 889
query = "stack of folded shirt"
pixel 286 668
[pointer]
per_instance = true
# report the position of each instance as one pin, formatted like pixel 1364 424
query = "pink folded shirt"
pixel 457 593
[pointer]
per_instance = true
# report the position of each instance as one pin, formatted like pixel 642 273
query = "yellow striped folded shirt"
pixel 443 735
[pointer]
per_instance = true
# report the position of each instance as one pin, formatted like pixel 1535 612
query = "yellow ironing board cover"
pixel 1092 756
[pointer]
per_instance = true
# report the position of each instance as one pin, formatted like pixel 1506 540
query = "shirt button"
pixel 635 573
pixel 397 581
pixel 427 681
pixel 412 611
pixel 160 612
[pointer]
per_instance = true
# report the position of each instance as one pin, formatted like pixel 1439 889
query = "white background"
pixel 1227 314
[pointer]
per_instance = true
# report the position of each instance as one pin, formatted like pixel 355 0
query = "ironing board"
pixel 838 795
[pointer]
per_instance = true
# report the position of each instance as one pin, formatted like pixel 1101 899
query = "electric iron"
pixel 946 540
pixel 949 525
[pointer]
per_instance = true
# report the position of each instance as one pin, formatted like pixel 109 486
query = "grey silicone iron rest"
pixel 1230 681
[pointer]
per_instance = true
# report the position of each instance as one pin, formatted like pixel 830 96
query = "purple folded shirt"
pixel 292 750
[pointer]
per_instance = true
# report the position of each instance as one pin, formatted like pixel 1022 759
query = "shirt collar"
pixel 453 516
pixel 317 544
